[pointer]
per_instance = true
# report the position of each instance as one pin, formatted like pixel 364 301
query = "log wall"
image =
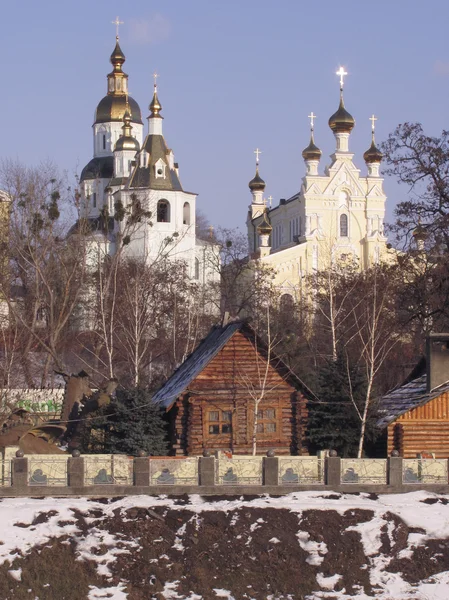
pixel 230 382
pixel 423 429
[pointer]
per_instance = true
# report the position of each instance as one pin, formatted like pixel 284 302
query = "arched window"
pixel 163 211
pixel 104 142
pixel 186 213
pixel 343 225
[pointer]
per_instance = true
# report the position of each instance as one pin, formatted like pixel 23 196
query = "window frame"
pixel 222 420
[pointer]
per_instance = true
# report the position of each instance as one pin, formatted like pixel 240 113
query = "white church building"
pixel 139 172
pixel 337 214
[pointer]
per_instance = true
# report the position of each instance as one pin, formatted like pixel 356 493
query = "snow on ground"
pixel 21 530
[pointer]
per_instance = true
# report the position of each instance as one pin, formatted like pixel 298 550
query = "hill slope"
pixel 305 545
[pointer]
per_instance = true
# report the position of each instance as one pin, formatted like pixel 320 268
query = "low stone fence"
pixel 110 475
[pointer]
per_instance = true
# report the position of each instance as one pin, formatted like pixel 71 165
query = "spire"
pixel 373 156
pixel 155 106
pixel 312 152
pixel 117 79
pixel 155 118
pixel 257 184
pixel 341 122
pixel 126 141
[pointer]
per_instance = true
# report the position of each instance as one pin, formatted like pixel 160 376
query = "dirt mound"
pixel 225 549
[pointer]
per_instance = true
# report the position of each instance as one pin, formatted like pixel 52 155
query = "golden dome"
pixel 117 57
pixel 126 141
pixel 112 108
pixel 312 152
pixel 341 121
pixel 257 183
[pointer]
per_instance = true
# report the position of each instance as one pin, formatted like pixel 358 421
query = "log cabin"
pixel 415 416
pixel 230 389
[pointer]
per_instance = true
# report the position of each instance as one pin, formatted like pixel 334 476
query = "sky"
pixel 233 76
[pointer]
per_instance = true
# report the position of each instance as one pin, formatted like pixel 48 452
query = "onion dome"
pixel 341 121
pixel 373 154
pixel 264 227
pixel 312 152
pixel 155 106
pixel 257 183
pixel 117 57
pixel 126 141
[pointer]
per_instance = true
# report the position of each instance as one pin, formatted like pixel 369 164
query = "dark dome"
pixel 265 227
pixel 257 183
pixel 341 121
pixel 101 167
pixel 112 108
pixel 373 154
pixel 312 152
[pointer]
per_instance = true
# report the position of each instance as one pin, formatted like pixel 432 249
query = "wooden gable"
pixel 424 428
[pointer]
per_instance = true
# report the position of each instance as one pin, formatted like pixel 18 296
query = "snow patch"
pixel 113 593
pixel 316 550
pixel 327 583
pixel 16 574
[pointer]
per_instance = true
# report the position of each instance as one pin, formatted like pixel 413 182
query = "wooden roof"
pixel 406 398
pixel 205 352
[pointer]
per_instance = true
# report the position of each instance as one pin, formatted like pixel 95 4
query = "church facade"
pixel 337 215
pixel 138 174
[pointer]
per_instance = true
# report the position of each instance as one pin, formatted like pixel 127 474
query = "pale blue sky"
pixel 233 75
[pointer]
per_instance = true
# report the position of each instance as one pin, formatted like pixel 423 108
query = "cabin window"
pixel 220 421
pixel 163 211
pixel 266 420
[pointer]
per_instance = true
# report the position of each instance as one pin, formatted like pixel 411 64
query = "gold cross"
pixel 373 119
pixel 211 231
pixel 341 72
pixel 270 198
pixel 155 76
pixel 257 152
pixel 117 24
pixel 312 117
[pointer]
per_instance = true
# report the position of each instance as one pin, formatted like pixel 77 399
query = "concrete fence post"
pixel 206 470
pixel 394 471
pixel 75 471
pixel 332 471
pixel 142 471
pixel 19 472
pixel 270 472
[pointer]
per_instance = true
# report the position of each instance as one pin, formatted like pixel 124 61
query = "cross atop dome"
pixel 117 24
pixel 312 117
pixel 341 73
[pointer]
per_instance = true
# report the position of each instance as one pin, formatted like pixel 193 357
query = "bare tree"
pixel 46 269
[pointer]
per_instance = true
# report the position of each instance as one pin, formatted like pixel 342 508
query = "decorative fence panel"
pixel 238 470
pixel 48 469
pixel 364 470
pixel 106 469
pixel 424 470
pixel 172 471
pixel 5 472
pixel 300 470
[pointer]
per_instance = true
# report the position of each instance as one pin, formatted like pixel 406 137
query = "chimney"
pixel 437 359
